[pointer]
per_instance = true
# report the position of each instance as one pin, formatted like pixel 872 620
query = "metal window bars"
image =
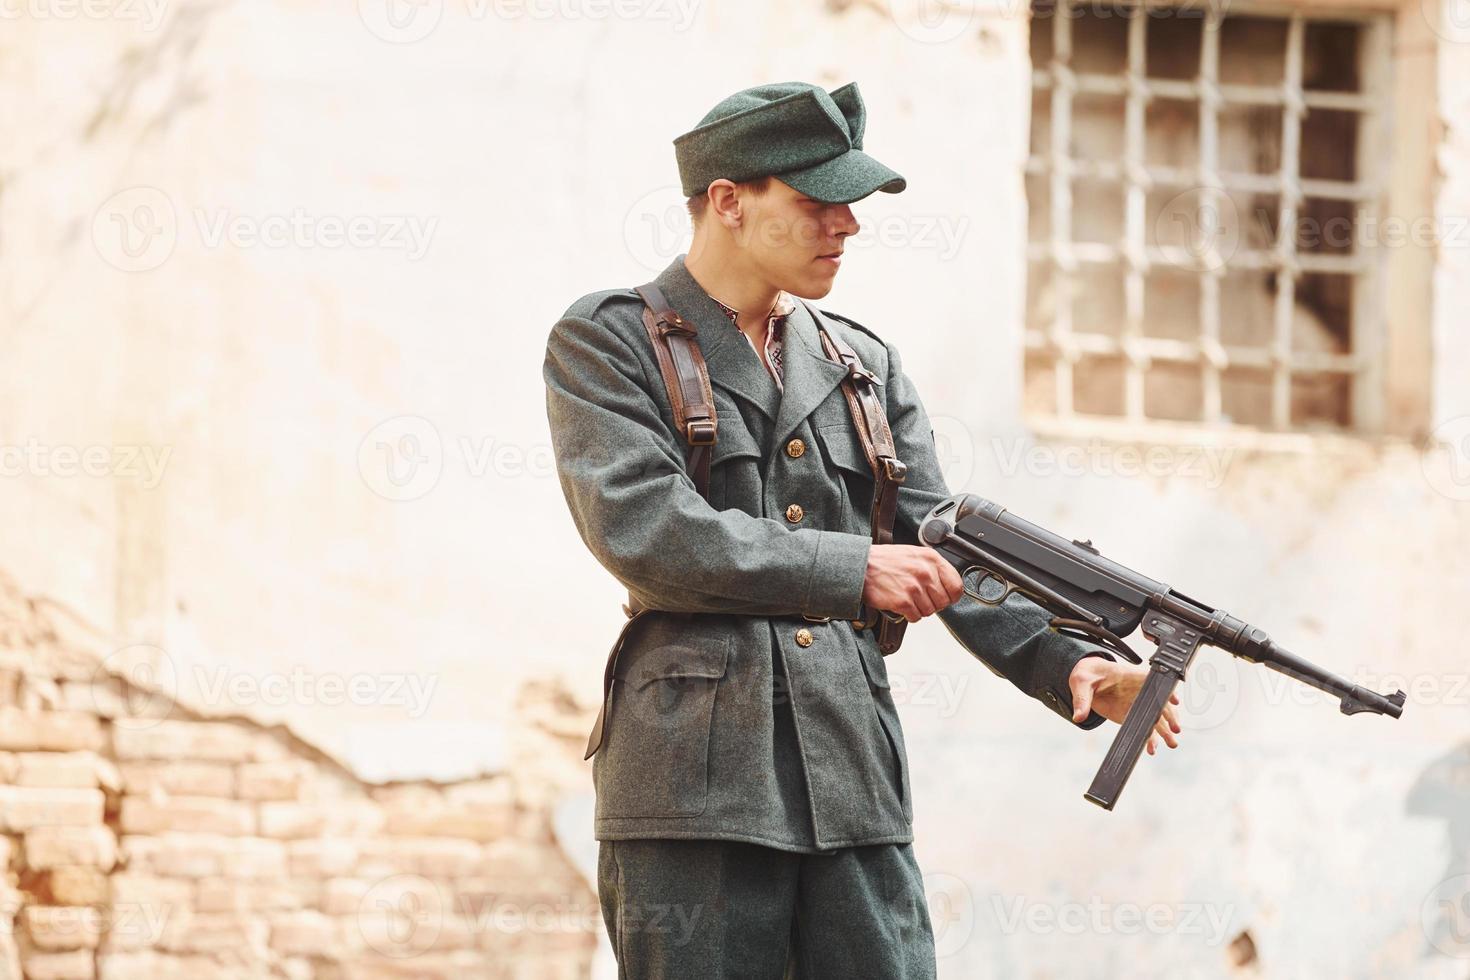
pixel 1209 185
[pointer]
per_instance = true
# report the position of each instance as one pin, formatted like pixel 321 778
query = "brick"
pixel 190 740
pixel 52 847
pixel 25 807
pixel 150 965
pixel 48 731
pixel 305 933
pixel 75 965
pixel 291 820
pixel 134 889
pixel 476 823
pixel 226 895
pixel 271 780
pixel 68 885
pixel 322 858
pixel 141 925
pixel 344 896
pixel 178 778
pixel 438 857
pixel 185 855
pixel 397 934
pixel 354 818
pixel 76 770
pixel 190 814
pixel 215 932
pixel 254 857
pixel 53 927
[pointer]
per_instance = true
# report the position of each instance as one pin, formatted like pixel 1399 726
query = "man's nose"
pixel 844 222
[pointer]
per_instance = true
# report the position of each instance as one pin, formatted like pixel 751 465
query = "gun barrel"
pixel 1355 699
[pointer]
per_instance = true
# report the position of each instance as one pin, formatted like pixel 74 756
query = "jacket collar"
pixel 808 376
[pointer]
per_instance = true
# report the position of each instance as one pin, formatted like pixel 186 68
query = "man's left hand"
pixel 1109 688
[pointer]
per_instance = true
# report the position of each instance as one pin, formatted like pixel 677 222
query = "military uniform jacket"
pixel 764 716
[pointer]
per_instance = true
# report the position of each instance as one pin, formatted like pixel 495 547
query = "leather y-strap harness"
pixel 686 376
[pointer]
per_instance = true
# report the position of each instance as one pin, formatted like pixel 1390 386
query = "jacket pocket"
pixel 842 448
pixel 735 469
pixel 655 762
pixel 877 670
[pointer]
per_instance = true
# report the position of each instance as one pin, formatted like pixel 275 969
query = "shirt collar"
pixel 783 306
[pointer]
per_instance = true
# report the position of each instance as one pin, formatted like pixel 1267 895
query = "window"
pixel 1204 190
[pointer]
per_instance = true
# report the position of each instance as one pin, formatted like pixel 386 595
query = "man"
pixel 753 801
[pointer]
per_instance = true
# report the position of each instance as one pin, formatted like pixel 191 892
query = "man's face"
pixel 795 242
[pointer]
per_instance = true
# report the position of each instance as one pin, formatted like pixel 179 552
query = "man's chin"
pixel 814 287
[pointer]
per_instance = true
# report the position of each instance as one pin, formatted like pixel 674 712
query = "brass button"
pixel 795 448
pixel 804 637
pixel 794 513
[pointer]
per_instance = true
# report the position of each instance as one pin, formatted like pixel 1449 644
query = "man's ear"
pixel 724 203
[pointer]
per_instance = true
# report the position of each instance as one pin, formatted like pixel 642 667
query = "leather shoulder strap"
pixel 859 389
pixel 676 346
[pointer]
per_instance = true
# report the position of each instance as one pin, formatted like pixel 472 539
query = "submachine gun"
pixel 1093 598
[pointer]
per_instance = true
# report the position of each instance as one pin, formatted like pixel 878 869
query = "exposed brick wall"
pixel 168 845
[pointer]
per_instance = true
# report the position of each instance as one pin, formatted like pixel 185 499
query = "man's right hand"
pixel 910 580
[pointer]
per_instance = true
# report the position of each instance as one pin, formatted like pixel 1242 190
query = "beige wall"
pixel 501 166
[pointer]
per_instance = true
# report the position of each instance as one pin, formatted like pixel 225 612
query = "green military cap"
pixel 793 131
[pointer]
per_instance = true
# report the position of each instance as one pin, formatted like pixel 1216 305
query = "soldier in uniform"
pixel 753 799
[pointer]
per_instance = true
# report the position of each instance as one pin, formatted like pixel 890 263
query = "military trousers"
pixel 728 910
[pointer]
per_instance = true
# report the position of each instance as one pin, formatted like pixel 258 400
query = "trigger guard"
pixel 987 575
